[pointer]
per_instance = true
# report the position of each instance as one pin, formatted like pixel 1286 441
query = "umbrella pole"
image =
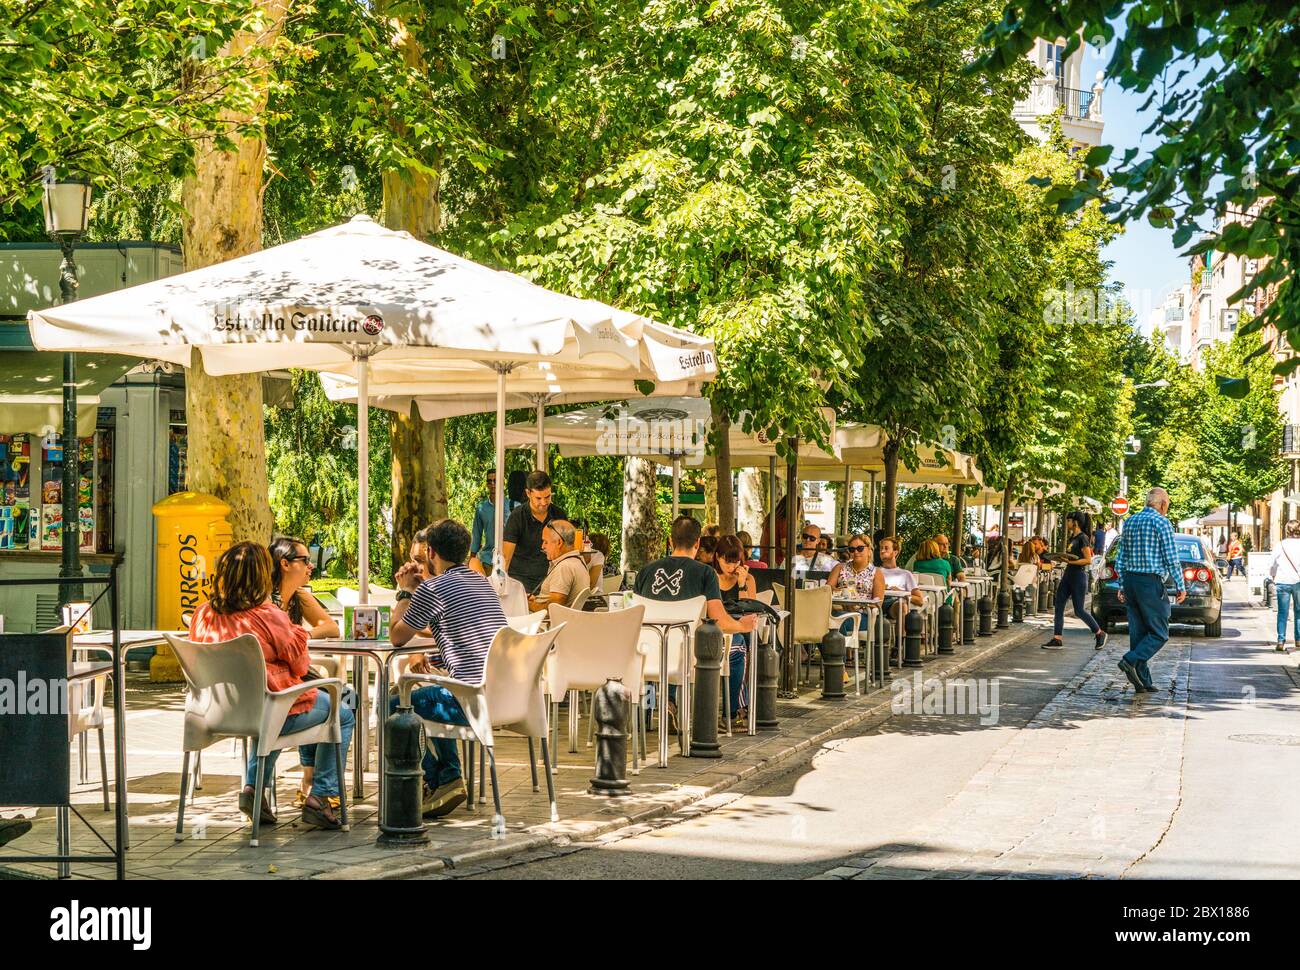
pixel 363 481
pixel 844 510
pixel 771 511
pixel 871 517
pixel 499 525
pixel 541 433
pixel 677 487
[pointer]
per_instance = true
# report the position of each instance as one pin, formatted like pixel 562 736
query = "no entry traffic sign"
pixel 1119 505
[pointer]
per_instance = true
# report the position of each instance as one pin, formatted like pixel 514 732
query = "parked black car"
pixel 1204 603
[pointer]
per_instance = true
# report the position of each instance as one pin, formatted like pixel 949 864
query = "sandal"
pixel 321 815
pixel 246 806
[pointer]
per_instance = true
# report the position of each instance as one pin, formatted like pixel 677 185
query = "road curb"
pixel 878 705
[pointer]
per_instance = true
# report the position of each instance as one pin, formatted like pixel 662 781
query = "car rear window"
pixel 1189 549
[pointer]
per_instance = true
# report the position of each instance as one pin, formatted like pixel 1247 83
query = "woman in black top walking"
pixel 1074 584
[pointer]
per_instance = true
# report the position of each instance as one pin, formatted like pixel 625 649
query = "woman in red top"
pixel 241 603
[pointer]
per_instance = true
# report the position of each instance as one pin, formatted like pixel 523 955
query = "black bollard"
pixel 403 780
pixel 767 681
pixel 1043 588
pixel 1030 601
pixel 986 615
pixel 1018 596
pixel 609 707
pixel 946 616
pixel 1004 608
pixel 912 629
pixel 706 694
pixel 1051 592
pixel 968 618
pixel 833 653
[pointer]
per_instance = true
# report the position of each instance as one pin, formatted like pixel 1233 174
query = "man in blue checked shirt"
pixel 1147 555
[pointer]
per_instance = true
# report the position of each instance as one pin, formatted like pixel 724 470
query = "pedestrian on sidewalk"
pixel 1074 581
pixel 1147 556
pixel 1235 554
pixel 1285 570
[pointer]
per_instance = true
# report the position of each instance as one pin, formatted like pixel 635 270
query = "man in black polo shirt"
pixel 682 577
pixel 521 542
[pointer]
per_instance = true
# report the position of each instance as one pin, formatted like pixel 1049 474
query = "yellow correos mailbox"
pixel 193 532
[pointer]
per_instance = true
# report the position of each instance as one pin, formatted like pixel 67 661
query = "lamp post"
pixel 67 210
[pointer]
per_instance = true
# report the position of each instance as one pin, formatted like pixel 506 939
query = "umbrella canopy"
pixel 668 430
pixel 31 390
pixel 1218 518
pixel 382 303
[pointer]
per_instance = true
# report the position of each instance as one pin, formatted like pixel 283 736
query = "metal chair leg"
pixel 103 768
pixel 532 762
pixel 62 816
pixel 343 788
pixel 550 782
pixel 257 800
pixel 469 775
pixel 573 721
pixel 498 819
pixel 198 771
pixel 180 807
pixel 555 726
pixel 482 775
pixel 81 758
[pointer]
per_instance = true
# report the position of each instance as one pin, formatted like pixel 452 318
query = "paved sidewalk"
pixel 216 842
pixel 1098 782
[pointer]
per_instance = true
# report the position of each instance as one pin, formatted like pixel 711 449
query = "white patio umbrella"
pixel 362 298
pixel 667 430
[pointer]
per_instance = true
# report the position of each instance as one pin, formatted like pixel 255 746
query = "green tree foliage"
pixel 1241 437
pixel 1220 78
pixel 729 167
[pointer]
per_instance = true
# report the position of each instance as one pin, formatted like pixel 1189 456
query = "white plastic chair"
pixel 594 648
pixel 511 592
pixel 86 714
pixel 680 654
pixel 228 698
pixel 529 623
pixel 610 584
pixel 509 697
pixel 1025 579
pixel 580 600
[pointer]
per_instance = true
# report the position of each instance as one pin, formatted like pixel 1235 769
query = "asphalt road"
pixel 1234 814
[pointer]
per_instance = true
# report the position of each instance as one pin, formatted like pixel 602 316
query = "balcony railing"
pixel 1290 439
pixel 1046 97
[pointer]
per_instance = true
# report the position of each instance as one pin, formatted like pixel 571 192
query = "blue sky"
pixel 1144 258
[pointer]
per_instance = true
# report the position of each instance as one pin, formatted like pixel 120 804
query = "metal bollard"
pixel 1043 593
pixel 986 615
pixel 403 780
pixel 912 628
pixel 1004 608
pixel 1031 601
pixel 1018 596
pixel 767 681
pixel 706 694
pixel 946 617
pixel 1051 593
pixel 968 618
pixel 833 651
pixel 609 707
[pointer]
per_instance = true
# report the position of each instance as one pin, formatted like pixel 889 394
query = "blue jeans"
pixel 1074 585
pixel 326 779
pixel 1148 619
pixel 1285 593
pixel 736 677
pixel 433 703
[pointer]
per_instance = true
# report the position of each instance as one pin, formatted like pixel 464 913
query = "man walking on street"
pixel 1147 555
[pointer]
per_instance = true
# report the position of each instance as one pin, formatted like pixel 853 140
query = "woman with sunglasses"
pixel 290 572
pixel 859 575
pixel 736 584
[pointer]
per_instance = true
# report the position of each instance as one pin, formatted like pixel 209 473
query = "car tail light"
pixel 1189 574
pixel 1202 575
pixel 1111 573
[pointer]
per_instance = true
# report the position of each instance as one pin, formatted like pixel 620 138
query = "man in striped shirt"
pixel 461 609
pixel 1147 555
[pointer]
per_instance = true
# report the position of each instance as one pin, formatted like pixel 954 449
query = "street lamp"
pixel 67 211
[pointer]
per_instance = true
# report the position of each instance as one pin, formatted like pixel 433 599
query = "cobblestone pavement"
pixel 215 845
